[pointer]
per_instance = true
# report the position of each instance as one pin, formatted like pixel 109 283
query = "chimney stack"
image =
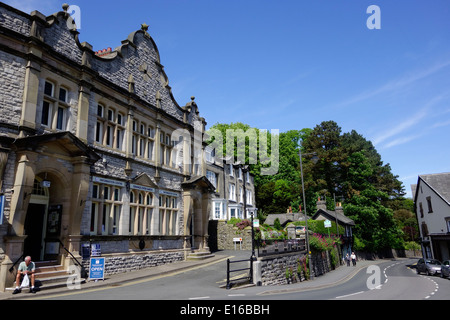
pixel 321 204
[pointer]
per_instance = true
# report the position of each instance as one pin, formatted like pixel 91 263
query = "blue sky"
pixel 291 64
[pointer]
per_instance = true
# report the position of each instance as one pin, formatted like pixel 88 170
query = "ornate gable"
pixel 144 180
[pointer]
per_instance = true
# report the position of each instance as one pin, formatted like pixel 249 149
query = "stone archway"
pixel 64 161
pixel 197 200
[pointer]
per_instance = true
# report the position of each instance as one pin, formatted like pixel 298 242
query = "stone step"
pixel 200 255
pixel 50 275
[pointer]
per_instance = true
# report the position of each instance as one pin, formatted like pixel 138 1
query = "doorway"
pixel 34 229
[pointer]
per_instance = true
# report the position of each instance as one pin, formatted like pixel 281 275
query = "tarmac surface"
pixel 335 277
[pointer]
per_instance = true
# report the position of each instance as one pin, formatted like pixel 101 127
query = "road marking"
pixel 126 284
pixel 199 298
pixel 349 295
pixel 237 295
pixel 235 277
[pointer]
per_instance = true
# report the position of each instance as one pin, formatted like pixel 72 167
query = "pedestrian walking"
pixel 347 258
pixel 353 256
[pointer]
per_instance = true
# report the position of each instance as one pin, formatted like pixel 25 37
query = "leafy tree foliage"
pixel 349 169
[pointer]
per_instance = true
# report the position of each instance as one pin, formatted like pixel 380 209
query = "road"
pixel 386 280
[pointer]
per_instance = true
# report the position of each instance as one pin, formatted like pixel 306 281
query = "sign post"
pixel 237 240
pixel 327 224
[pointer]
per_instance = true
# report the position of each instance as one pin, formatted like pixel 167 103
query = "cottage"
pixel 432 207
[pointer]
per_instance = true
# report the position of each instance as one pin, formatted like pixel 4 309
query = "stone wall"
pixel 273 268
pixel 221 235
pixel 122 263
pixel 12 73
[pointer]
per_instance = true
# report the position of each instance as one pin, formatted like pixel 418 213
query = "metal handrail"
pixel 83 270
pixel 14 264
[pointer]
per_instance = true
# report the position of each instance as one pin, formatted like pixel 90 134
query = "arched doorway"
pixel 34 227
pixel 43 220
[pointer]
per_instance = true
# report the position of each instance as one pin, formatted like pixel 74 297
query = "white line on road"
pixel 199 298
pixel 349 295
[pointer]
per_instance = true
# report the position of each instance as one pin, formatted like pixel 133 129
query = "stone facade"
pixel 115 264
pixel 95 149
pixel 273 268
pixel 229 181
pixel 222 234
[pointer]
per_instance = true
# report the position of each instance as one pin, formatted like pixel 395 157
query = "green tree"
pixel 375 224
pixel 324 142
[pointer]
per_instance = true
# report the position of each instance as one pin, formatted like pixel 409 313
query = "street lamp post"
pixel 306 217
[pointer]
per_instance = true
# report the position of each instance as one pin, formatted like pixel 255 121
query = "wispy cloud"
pixel 441 124
pixel 402 126
pixel 396 84
pixel 402 140
pixel 406 124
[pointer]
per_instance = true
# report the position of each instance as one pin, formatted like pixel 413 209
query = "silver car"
pixel 428 266
pixel 445 269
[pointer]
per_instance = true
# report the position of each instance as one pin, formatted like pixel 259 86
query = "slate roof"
pixel 284 218
pixel 332 215
pixel 439 182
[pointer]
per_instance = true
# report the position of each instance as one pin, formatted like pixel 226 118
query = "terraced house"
pixel 94 149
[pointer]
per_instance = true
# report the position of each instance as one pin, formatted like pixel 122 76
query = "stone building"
pixel 230 184
pixel 94 149
pixel 432 207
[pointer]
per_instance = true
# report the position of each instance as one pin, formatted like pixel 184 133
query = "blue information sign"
pixel 2 208
pixel 97 269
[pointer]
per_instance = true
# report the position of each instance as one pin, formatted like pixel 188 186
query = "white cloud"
pixel 407 123
pixel 396 84
pixel 441 124
pixel 402 126
pixel 400 141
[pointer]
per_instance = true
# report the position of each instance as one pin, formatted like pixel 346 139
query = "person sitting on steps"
pixel 26 267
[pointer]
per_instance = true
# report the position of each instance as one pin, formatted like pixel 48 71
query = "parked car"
pixel 429 266
pixel 445 269
pixel 300 230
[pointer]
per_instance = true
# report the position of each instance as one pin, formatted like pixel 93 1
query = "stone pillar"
pixel 72 244
pixel 80 189
pixel 23 186
pixel 257 274
pixel 158 148
pixel 14 249
pixel 83 113
pixel 31 89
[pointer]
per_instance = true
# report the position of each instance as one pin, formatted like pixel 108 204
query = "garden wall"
pixel 221 235
pixel 283 268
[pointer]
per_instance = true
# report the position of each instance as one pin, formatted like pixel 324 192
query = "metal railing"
pixel 83 271
pixel 249 277
pixel 17 261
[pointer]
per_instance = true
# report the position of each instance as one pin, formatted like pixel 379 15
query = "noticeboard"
pixel 97 269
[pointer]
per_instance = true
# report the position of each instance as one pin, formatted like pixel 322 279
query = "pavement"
pixel 337 276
